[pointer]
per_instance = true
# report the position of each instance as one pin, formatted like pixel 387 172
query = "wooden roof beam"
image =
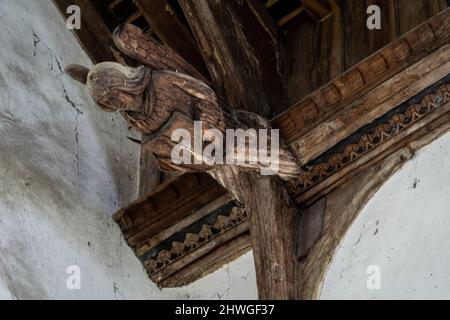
pixel 240 46
pixel 318 9
pixel 359 116
pixel 169 27
pixel 239 42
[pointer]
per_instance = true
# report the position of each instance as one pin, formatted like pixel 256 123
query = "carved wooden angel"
pixel 165 94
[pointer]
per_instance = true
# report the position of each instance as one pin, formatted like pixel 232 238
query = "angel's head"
pixel 113 86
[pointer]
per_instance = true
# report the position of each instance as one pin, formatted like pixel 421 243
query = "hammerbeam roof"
pixel 190 225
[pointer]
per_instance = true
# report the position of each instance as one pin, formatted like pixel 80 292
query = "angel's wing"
pixel 138 45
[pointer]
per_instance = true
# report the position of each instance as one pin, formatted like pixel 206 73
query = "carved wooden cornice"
pixel 190 226
pixel 309 115
pixel 186 220
pixel 387 131
pixel 370 111
pixel 230 223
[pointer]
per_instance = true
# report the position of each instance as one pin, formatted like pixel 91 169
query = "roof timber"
pixel 241 48
pixel 337 95
pixel 184 230
pixel 173 32
pixel 188 227
pixel 418 105
pixel 323 128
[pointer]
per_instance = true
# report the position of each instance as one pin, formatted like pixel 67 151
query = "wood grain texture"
pixel 393 134
pixel 138 45
pixel 301 59
pixel 356 34
pixel 273 228
pixel 411 13
pixel 274 234
pixel 178 230
pixel 348 41
pixel 170 28
pixel 168 204
pixel 242 51
pixel 337 95
pixel 149 173
pixel 201 251
pixel 213 261
pixel 341 208
pixel 388 32
pixel 376 103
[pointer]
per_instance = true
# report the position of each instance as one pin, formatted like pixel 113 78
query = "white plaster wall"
pixel 405 231
pixel 65 167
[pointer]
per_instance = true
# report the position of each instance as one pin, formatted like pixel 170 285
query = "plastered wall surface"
pixel 402 235
pixel 65 167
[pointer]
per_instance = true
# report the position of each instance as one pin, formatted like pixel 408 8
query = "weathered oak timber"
pixel 274 227
pixel 242 51
pixel 140 46
pixel 97 40
pixel 376 103
pixel 157 102
pixel 336 96
pixel 337 210
pixel 184 223
pixel 333 216
pixel 375 141
pixel 239 42
pixel 169 27
pixel 213 261
pixel 348 42
pixel 357 166
pixel 274 230
pixel 363 125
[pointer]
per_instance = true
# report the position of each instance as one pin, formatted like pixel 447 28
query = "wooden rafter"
pixel 242 50
pixel 238 63
pixel 165 22
pixel 421 111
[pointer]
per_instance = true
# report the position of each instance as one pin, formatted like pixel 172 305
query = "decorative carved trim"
pixel 169 203
pixel 381 133
pixel 181 225
pixel 376 69
pixel 193 241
